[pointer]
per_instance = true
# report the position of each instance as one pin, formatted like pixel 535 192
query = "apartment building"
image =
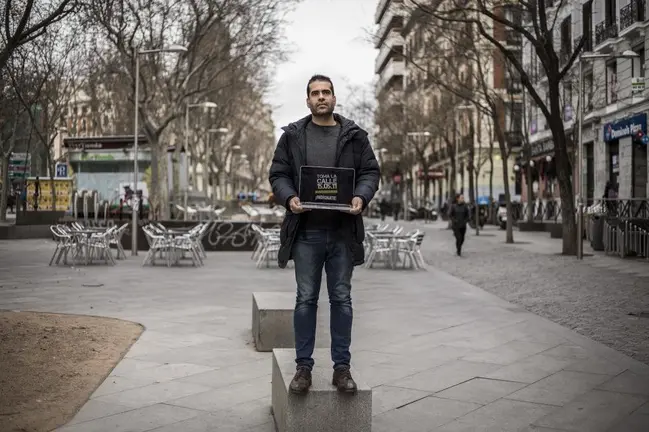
pixel 418 110
pixel 615 103
pixel 390 73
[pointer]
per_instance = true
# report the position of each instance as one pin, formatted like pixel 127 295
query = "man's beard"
pixel 327 112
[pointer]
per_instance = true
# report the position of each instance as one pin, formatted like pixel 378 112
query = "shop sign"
pixel 626 127
pixel 542 147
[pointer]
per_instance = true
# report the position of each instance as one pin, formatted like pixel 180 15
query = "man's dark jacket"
pixel 353 151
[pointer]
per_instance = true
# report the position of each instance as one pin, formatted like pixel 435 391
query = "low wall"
pixel 22 232
pixel 229 236
pixel 221 236
pixel 41 217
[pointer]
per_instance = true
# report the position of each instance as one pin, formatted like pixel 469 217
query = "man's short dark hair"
pixel 319 78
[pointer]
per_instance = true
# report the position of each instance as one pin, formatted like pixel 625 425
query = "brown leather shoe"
pixel 343 381
pixel 301 381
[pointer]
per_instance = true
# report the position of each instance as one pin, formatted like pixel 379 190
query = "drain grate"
pixel 640 314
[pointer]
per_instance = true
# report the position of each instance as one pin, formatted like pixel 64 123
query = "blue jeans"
pixel 313 250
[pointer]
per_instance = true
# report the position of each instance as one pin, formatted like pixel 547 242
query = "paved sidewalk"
pixel 441 354
pixel 599 297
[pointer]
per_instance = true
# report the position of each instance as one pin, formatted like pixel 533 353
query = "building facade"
pixel 615 102
pixel 423 130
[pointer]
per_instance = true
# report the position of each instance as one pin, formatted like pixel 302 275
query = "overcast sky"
pixel 328 37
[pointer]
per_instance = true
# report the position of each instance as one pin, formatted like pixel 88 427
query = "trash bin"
pixel 597 232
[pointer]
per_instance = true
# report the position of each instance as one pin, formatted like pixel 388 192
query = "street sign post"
pixel 19 165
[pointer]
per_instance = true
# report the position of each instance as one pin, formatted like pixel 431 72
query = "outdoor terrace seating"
pixel 390 246
pixel 267 246
pixel 173 245
pixel 85 245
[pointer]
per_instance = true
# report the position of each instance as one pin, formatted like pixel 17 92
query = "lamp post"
pixel 171 48
pixel 580 145
pixel 186 167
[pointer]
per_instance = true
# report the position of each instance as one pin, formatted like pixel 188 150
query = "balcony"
pixel 381 8
pixel 393 19
pixel 605 34
pixel 513 86
pixel 393 44
pixel 513 39
pixel 514 138
pixel 392 69
pixel 631 16
pixel 588 44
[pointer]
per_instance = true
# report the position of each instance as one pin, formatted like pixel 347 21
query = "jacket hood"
pixel 348 126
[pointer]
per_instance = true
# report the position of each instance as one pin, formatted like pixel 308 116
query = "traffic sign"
pixel 61 169
pixel 19 165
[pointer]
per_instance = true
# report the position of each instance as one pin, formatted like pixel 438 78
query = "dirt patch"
pixel 50 364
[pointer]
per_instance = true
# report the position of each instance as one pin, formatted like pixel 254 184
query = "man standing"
pixel 459 215
pixel 319 239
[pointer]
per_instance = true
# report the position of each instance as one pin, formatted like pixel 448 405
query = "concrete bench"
pixel 323 408
pixel 272 320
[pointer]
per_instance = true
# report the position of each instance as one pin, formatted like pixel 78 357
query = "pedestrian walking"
pixel 318 239
pixel 384 205
pixel 395 199
pixel 460 216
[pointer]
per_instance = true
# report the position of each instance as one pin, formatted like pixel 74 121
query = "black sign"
pixel 103 143
pixel 326 185
pixel 541 148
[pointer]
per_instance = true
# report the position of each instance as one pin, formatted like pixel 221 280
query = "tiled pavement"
pixel 441 354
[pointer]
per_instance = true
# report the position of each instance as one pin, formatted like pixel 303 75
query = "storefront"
pixel 626 155
pixel 543 170
pixel 105 164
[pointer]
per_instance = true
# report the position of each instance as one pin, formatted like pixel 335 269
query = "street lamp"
pixel 186 167
pixel 170 49
pixel 580 146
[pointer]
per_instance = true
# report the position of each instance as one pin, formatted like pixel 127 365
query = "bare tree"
pixel 13 120
pixel 24 21
pixel 457 64
pixel 56 57
pixel 555 61
pixel 223 38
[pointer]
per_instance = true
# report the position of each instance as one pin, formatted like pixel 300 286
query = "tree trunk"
pixel 477 207
pixel 4 167
pixel 491 183
pixel 564 175
pixel 508 203
pixel 509 237
pixel 453 179
pixel 530 193
pixel 472 192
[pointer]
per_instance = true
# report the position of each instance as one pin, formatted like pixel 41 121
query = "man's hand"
pixel 296 205
pixel 357 206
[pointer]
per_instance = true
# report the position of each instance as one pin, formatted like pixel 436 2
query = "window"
pixel 611 82
pixel 587 20
pixel 567 93
pixel 588 91
pixel 566 38
pixel 637 63
pixel 610 15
